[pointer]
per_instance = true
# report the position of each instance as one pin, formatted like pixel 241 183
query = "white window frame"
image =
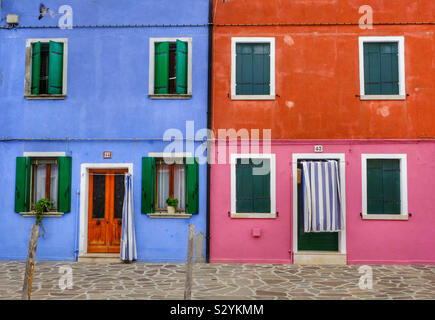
pixel 271 41
pixel 28 75
pixel 403 187
pixel 152 45
pixel 272 159
pixel 401 49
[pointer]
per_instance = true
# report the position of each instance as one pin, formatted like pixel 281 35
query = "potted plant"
pixel 172 205
pixel 42 206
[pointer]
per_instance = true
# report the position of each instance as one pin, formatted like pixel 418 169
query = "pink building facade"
pixel 408 238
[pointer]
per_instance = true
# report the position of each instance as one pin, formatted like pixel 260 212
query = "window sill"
pixel 383 97
pixel 385 217
pixel 46 215
pixel 170 96
pixel 160 215
pixel 45 96
pixel 252 97
pixel 253 215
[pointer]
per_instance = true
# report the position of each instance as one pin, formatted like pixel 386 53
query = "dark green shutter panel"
pixel 22 185
pixel 161 68
pixel 391 184
pixel 64 184
pixel 148 185
pixel 244 187
pixel 375 188
pixel 252 68
pixel 381 68
pixel 192 185
pixel 55 68
pixel 36 67
pixel 261 187
pixel 181 68
pixel 383 186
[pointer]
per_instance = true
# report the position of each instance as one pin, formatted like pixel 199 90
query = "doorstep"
pixel 99 257
pixel 319 257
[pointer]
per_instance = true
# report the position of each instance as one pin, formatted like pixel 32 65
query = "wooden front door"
pixel 106 197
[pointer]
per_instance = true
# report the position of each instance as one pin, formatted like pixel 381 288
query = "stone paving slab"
pixel 216 281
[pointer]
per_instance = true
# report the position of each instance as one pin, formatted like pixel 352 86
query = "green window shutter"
pixel 192 185
pixel 36 67
pixel 381 68
pixel 383 186
pixel 252 68
pixel 375 189
pixel 261 187
pixel 22 185
pixel 64 184
pixel 55 68
pixel 161 68
pixel 391 184
pixel 244 76
pixel 181 67
pixel 244 190
pixel 148 185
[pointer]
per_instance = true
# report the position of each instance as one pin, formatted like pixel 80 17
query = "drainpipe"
pixel 76 231
pixel 209 99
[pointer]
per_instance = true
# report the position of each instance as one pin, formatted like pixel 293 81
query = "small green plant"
pixel 172 202
pixel 42 206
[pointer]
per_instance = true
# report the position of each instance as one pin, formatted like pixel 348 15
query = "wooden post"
pixel 188 283
pixel 30 264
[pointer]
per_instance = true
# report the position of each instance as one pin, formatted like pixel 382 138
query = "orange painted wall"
pixel 317 69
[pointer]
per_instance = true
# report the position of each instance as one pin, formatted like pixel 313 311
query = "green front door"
pixel 315 241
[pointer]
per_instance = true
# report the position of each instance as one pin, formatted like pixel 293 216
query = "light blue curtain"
pixel 128 238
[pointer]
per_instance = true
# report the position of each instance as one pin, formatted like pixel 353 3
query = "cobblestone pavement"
pixel 217 281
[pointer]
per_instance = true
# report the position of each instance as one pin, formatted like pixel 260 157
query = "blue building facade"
pixel 106 107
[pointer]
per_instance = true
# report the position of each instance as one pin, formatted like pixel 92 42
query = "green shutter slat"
pixel 266 69
pixel 261 187
pixel 192 185
pixel 161 68
pixel 375 189
pixel 148 185
pixel 64 184
pixel 244 187
pixel 261 68
pixel 372 68
pixel 55 68
pixel 181 67
pixel 391 186
pixel 36 67
pixel 22 184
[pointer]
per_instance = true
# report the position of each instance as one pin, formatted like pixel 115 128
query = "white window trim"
pixel 28 74
pixel 342 165
pixel 403 187
pixel 272 213
pixel 271 41
pixel 151 93
pixel 401 48
pixel 84 197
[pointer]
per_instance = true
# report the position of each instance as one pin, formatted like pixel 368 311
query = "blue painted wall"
pixel 107 99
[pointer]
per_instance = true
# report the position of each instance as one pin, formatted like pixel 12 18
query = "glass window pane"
pixel 179 186
pixel 119 195
pixel 54 184
pixel 99 196
pixel 39 188
pixel 162 185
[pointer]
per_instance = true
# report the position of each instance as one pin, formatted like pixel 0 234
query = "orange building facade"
pixel 349 81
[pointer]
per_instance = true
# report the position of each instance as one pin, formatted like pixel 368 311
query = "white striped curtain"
pixel 322 197
pixel 128 236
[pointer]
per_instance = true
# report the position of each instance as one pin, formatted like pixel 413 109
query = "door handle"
pixel 98 222
pixel 119 223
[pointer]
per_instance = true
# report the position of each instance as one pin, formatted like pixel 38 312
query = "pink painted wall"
pixel 368 241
